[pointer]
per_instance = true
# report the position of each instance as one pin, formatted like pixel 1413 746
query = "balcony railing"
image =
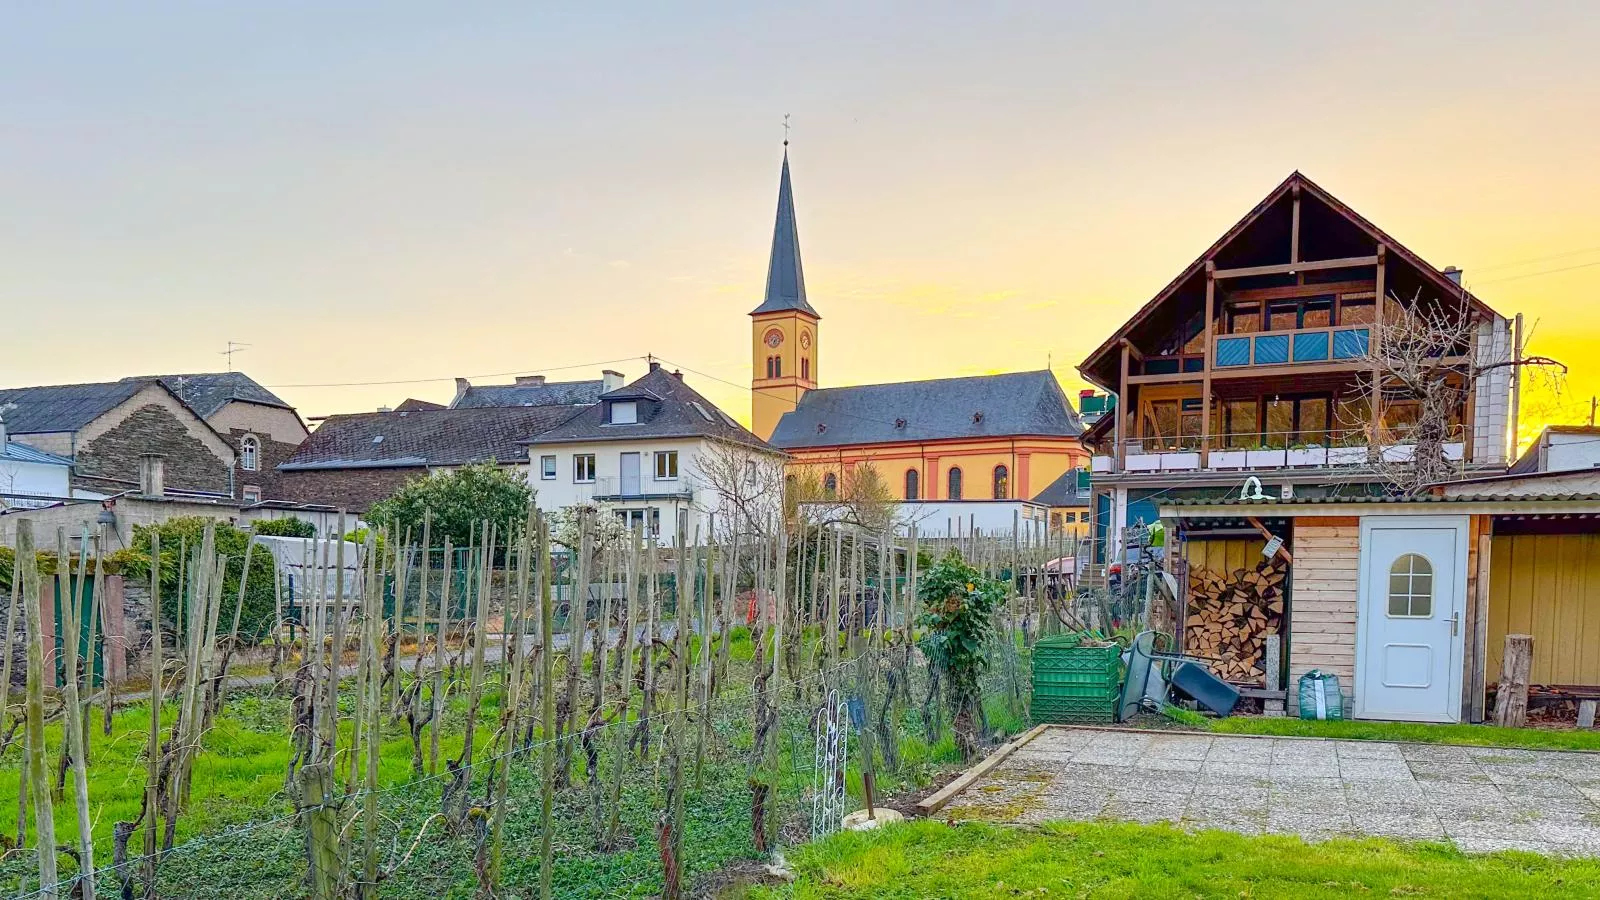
pixel 615 487
pixel 1333 448
pixel 1287 348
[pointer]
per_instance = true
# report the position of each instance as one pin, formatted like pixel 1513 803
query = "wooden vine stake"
pixel 69 592
pixel 547 673
pixel 44 816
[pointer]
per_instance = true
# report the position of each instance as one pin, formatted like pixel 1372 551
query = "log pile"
pixel 1230 615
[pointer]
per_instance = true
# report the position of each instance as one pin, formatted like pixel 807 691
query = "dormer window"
pixel 624 412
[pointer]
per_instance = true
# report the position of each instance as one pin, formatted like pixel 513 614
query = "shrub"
pixel 958 613
pixel 460 500
pixel 290 527
pixel 183 535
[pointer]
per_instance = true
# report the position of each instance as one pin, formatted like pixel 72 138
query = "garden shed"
pixel 1409 599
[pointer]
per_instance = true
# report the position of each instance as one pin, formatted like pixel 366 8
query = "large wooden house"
pixel 1255 360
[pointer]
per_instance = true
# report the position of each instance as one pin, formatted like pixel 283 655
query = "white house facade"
pixel 31 478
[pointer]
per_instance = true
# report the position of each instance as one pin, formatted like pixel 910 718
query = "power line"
pixel 1533 259
pixel 1541 272
pixel 589 365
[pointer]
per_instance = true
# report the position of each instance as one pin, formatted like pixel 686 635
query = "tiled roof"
pixel 980 406
pixel 1062 492
pixel 207 392
pixel 429 437
pixel 20 452
pixel 553 393
pixel 669 409
pixel 62 407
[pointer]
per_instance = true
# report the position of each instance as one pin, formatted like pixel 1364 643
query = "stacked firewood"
pixel 1230 615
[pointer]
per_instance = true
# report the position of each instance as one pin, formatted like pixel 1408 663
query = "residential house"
pixel 1559 448
pixel 354 460
pixel 960 452
pixel 662 456
pixel 1254 361
pixel 105 429
pixel 30 477
pixel 148 502
pixel 263 429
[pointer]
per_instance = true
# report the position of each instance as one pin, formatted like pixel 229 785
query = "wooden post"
pixel 1516 386
pixel 322 830
pixel 1511 698
pixel 1121 411
pixel 1375 346
pixel 547 674
pixel 1294 228
pixel 1210 351
pixel 44 817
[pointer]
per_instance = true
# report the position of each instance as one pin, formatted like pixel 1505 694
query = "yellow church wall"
pixel 1031 463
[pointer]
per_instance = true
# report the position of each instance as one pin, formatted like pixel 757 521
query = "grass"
pixel 928 859
pixel 1410 732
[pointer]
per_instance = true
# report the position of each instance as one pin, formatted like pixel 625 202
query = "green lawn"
pixel 929 859
pixel 1416 733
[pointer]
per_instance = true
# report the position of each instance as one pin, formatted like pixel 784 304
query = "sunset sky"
pixel 413 191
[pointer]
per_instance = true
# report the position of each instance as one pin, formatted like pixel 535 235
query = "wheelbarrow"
pixel 1152 674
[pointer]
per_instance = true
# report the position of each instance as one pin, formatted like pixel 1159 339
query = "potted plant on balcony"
pixel 1263 457
pixel 1307 454
pixel 1229 458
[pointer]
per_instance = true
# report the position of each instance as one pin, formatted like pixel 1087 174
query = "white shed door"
pixel 1410 636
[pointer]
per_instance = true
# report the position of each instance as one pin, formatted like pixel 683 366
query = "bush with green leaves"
pixel 958 605
pixel 290 527
pixel 183 535
pixel 460 500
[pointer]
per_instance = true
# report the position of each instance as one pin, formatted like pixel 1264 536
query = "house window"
pixel 805 369
pixel 547 468
pixel 774 367
pixel 830 484
pixel 911 484
pixel 953 483
pixel 252 494
pixel 666 465
pixel 249 453
pixel 624 412
pixel 1002 482
pixel 582 468
pixel 751 473
pixel 1411 587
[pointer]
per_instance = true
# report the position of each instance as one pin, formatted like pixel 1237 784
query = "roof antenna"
pixel 233 347
pixel 785 132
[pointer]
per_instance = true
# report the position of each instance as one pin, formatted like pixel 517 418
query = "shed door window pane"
pixel 1411 587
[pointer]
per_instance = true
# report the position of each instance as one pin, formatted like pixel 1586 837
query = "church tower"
pixel 783 359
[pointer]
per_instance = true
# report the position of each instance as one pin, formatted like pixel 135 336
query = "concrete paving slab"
pixel 1483 799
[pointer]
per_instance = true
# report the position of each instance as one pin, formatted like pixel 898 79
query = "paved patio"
pixel 1483 799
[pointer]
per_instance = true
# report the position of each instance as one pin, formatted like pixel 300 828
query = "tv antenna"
pixel 233 347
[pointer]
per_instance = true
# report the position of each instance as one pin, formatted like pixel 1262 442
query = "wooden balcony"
pixel 1340 344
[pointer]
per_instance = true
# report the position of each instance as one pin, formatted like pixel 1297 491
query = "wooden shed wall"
pixel 1322 602
pixel 1547 585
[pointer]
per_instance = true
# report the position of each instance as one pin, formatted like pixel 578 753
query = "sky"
pixel 409 192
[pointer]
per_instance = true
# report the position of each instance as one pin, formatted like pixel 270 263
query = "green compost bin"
pixel 1073 684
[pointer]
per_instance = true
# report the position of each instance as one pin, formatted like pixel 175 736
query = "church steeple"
pixel 786 281
pixel 783 328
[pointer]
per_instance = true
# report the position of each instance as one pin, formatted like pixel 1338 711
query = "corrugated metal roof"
pixel 1422 498
pixel 20 452
pixel 979 406
pixel 786 281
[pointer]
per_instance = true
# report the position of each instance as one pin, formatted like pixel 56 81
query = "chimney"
pixel 1452 273
pixel 461 390
pixel 610 380
pixel 678 374
pixel 530 380
pixel 152 475
pixel 385 409
pixel 3 435
pixel 654 365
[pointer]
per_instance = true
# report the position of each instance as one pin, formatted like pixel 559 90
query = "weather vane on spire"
pixel 786 129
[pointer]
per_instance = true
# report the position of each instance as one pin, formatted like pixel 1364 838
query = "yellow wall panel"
pixel 1547 585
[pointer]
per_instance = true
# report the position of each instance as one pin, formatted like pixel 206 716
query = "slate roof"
pixel 412 404
pixel 1013 404
pixel 786 282
pixel 553 393
pixel 62 407
pixel 669 409
pixel 427 437
pixel 1062 492
pixel 207 392
pixel 22 453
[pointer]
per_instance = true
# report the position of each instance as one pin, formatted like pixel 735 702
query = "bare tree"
pixel 1427 360
pixel 748 484
pixel 858 496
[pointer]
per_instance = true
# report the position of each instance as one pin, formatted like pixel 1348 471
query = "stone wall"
pixel 190 464
pixel 266 474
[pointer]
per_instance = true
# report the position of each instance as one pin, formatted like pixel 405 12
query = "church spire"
pixel 786 283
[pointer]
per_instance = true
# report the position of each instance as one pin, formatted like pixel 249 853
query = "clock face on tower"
pixel 773 338
pixel 805 340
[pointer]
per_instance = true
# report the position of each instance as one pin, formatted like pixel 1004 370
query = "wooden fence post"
pixel 322 830
pixel 1511 697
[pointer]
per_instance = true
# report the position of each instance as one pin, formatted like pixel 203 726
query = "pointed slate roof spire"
pixel 786 283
